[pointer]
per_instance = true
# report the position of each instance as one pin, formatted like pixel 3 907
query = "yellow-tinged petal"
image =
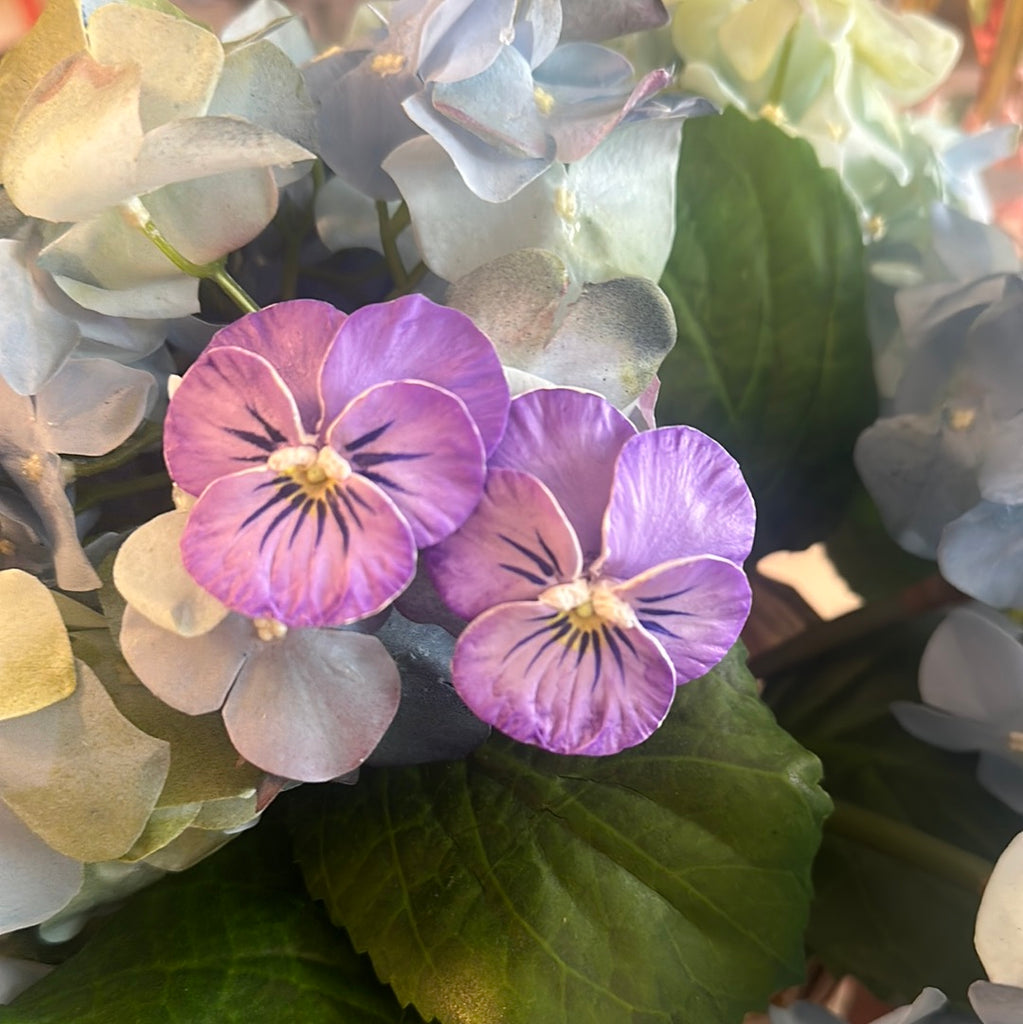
pixel 72 150
pixel 36 664
pixel 80 775
pixel 753 35
pixel 152 579
pixel 58 33
pixel 165 825
pixel 180 61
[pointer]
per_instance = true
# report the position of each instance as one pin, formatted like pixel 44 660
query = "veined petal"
pixel 529 671
pixel 568 440
pixel 314 704
pixel 294 337
pixel 695 607
pixel 264 546
pixel 676 493
pixel 420 446
pixel 231 411
pixel 517 543
pixel 413 338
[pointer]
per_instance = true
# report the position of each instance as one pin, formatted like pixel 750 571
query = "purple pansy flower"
pixel 325 449
pixel 600 570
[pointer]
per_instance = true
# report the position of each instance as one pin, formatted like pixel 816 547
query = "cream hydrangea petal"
pixel 80 775
pixel 207 218
pixel 754 33
pixel 58 33
pixel 35 880
pixel 165 824
pixel 196 147
pixel 180 60
pixel 36 664
pixel 999 931
pixel 72 151
pixel 151 578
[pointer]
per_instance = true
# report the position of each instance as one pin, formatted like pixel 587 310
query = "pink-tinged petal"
pixel 231 411
pixel 695 607
pixel 676 493
pixel 569 440
pixel 517 543
pixel 420 446
pixel 526 670
pixel 193 673
pixel 313 705
pixel 294 337
pixel 266 549
pixel 413 338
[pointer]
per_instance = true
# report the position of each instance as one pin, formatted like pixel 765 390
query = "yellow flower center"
pixel 589 606
pixel 543 99
pixel 316 471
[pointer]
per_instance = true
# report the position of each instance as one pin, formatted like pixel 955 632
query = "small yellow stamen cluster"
pixel 772 112
pixel 385 64
pixel 1015 740
pixel 32 468
pixel 589 605
pixel 543 99
pixel 316 470
pixel 269 629
pixel 960 419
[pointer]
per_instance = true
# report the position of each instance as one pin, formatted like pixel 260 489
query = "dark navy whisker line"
pixel 369 437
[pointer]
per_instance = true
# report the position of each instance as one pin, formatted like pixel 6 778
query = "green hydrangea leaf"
pixel 913 835
pixel 233 941
pixel 772 358
pixel 666 883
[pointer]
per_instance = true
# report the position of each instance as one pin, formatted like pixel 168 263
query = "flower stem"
pixel 928 594
pixel 390 229
pixel 147 437
pixel 139 216
pixel 997 76
pixel 910 845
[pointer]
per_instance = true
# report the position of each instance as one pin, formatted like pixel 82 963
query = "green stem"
pixel 390 229
pixel 910 845
pixel 929 594
pixel 147 437
pixel 138 215
pixel 118 489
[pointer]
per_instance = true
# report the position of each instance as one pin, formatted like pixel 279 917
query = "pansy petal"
pixel 35 880
pixel 517 543
pixel 314 704
pixel 676 493
pixel 695 607
pixel 230 412
pixel 287 335
pixel 192 674
pixel 413 338
pixel 525 669
pixel 568 440
pixel 419 445
pixel 297 559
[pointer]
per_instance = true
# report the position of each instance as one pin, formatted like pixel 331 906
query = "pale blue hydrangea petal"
pixel 584 20
pixel 981 553
pixel 801 1012
pixel 921 474
pixel 35 880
